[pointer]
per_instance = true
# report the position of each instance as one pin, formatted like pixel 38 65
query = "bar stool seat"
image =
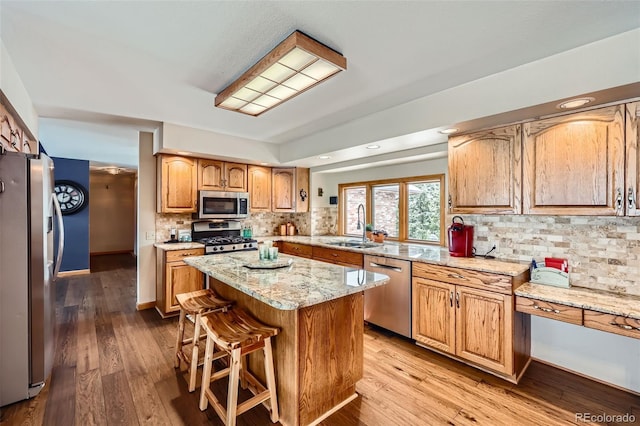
pixel 238 334
pixel 193 305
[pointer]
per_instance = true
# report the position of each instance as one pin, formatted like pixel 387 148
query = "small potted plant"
pixel 369 229
pixel 379 235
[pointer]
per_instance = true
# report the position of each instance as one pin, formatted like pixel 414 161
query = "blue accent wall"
pixel 76 226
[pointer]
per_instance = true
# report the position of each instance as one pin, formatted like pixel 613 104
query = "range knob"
pixel 214 248
pixel 221 248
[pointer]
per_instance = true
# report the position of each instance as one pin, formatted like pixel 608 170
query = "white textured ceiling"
pixel 166 60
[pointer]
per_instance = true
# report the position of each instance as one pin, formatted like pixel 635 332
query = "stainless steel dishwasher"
pixel 389 305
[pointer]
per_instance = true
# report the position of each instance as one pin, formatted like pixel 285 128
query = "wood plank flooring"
pixel 114 365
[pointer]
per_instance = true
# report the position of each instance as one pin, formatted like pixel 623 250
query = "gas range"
pixel 221 237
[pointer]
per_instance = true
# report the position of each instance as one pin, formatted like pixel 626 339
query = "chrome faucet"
pixel 361 223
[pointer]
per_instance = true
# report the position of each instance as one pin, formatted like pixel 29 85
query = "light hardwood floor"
pixel 114 365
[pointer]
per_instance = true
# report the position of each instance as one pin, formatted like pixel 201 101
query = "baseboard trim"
pixel 577 373
pixel 76 272
pixel 145 305
pixel 100 253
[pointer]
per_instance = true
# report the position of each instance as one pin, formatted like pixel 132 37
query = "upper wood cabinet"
pixel 216 175
pixel 632 193
pixel 290 189
pixel 574 164
pixel 177 187
pixel 485 171
pixel 259 188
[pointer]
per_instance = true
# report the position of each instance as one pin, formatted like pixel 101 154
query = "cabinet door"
pixel 211 175
pixel 574 164
pixel 434 314
pixel 484 328
pixel 181 278
pixel 235 177
pixel 178 184
pixel 259 188
pixel 485 171
pixel 632 194
pixel 284 187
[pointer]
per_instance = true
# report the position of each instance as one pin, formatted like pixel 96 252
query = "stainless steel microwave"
pixel 223 205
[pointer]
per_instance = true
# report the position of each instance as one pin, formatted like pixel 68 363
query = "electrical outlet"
pixel 150 235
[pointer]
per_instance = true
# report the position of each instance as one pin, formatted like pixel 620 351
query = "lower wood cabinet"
pixel 174 276
pixel 478 326
pixel 302 250
pixel 338 257
pixel 324 254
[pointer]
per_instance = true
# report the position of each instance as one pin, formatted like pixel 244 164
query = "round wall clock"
pixel 71 196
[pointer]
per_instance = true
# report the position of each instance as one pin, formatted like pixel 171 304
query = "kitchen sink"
pixel 354 244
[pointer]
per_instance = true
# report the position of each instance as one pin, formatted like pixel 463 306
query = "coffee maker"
pixel 460 238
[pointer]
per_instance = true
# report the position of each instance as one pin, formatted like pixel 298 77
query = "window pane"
pixel 353 197
pixel 424 211
pixel 385 206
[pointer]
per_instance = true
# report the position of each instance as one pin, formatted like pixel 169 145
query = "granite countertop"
pixel 415 252
pixel 304 282
pixel 178 246
pixel 585 298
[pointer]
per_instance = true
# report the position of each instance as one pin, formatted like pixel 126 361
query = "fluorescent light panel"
pixel 295 65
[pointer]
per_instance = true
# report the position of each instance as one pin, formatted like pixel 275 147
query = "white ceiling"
pixel 164 61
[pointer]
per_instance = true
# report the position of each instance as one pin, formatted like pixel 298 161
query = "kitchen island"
pixel 319 310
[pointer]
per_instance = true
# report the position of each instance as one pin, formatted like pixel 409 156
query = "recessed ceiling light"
pixel 373 146
pixel 448 131
pixel 184 153
pixel 575 103
pixel 324 157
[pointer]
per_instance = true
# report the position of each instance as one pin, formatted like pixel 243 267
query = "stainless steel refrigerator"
pixel 28 215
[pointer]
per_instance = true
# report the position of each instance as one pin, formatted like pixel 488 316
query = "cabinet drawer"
pixel 612 323
pixel 465 277
pixel 178 255
pixel 339 257
pixel 551 310
pixel 296 249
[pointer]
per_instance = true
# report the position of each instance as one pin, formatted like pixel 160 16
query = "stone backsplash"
pixel 262 224
pixel 324 221
pixel 603 252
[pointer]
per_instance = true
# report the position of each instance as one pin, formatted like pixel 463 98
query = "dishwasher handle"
pixel 378 265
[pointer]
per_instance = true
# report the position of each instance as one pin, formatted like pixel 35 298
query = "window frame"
pixel 403 205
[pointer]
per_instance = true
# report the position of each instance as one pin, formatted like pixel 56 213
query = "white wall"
pixel 604 356
pixel 179 138
pixel 14 90
pixel 146 221
pixel 329 181
pixel 604 64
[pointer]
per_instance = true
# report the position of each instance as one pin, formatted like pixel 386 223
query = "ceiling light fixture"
pixel 373 146
pixel 575 103
pixel 293 66
pixel 324 157
pixel 448 131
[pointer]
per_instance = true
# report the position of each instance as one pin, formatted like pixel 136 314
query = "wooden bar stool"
pixel 238 334
pixel 195 304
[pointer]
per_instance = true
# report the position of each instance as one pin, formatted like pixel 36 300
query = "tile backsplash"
pixel 603 252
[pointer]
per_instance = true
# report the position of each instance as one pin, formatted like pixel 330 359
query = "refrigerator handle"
pixel 56 205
